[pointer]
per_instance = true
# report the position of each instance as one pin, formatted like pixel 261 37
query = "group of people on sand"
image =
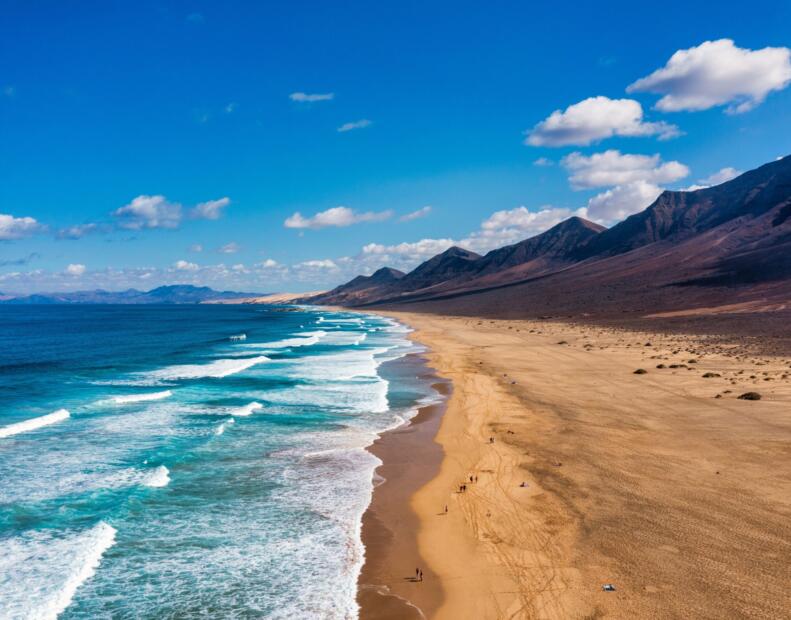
pixel 463 487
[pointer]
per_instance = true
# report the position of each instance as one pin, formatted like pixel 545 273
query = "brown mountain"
pixel 361 288
pixel 554 247
pixel 724 248
pixel 458 269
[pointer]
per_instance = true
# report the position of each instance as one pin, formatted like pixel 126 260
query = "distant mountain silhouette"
pixel 174 294
pixel 723 245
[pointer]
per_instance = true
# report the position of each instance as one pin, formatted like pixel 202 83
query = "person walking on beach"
pixel 421 576
pixel 417 573
pixel 446 509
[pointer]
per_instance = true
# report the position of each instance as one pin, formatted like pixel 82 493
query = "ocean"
pixel 196 461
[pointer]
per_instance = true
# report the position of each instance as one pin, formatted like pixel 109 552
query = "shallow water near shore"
pixel 155 467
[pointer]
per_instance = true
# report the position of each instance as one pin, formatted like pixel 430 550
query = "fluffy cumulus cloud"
pixel 17 227
pixel 338 217
pixel 210 210
pixel 149 212
pixel 723 175
pixel 415 215
pixel 311 97
pixel 183 265
pixel 362 123
pixel 324 264
pixel 717 73
pixel 634 181
pixel 615 168
pixel 75 269
pixel 509 226
pixel 595 119
pixel 622 200
pixel 500 228
pixel 415 251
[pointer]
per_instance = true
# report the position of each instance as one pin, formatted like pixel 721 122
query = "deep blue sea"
pixel 198 461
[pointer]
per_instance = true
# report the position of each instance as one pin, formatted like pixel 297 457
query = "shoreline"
pixel 590 474
pixel 410 457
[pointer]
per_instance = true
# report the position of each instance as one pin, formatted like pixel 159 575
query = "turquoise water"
pixel 191 461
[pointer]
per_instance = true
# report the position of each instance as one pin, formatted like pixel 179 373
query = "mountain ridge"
pixel 167 294
pixel 687 247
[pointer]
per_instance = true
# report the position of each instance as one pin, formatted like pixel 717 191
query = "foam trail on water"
pixel 219 368
pixel 304 340
pixel 221 428
pixel 138 398
pixel 34 423
pixel 247 409
pixel 48 570
pixel 159 477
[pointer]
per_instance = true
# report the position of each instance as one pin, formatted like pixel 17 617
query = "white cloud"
pixel 325 264
pixel 183 265
pixel 337 217
pixel 614 168
pixel 622 200
pixel 210 210
pixel 718 73
pixel 418 250
pixel 149 212
pixel 415 215
pixel 78 231
pixel 196 247
pixel 595 119
pixel 723 175
pixel 75 269
pixel 231 107
pixel 310 98
pixel 543 162
pixel 17 227
pixel 267 264
pixel 355 125
pixel 229 248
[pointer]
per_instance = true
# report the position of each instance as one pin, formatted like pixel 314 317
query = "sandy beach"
pixel 663 483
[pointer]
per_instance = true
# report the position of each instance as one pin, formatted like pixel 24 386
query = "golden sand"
pixel 664 484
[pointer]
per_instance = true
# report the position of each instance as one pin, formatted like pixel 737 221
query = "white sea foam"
pixel 302 340
pixel 40 572
pixel 158 477
pixel 246 410
pixel 137 398
pixel 237 337
pixel 221 428
pixel 34 423
pixel 218 368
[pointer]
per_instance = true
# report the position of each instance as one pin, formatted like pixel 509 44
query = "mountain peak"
pixel 386 274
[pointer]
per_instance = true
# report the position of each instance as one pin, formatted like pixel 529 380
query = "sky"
pixel 289 146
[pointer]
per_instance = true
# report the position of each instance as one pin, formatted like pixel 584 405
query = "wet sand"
pixel 410 457
pixel 663 483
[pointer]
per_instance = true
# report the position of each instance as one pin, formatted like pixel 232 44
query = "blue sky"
pixel 134 134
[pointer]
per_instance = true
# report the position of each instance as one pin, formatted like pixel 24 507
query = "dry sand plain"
pixel 664 484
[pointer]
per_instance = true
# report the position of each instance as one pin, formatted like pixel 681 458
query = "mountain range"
pixel 174 294
pixel 725 247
